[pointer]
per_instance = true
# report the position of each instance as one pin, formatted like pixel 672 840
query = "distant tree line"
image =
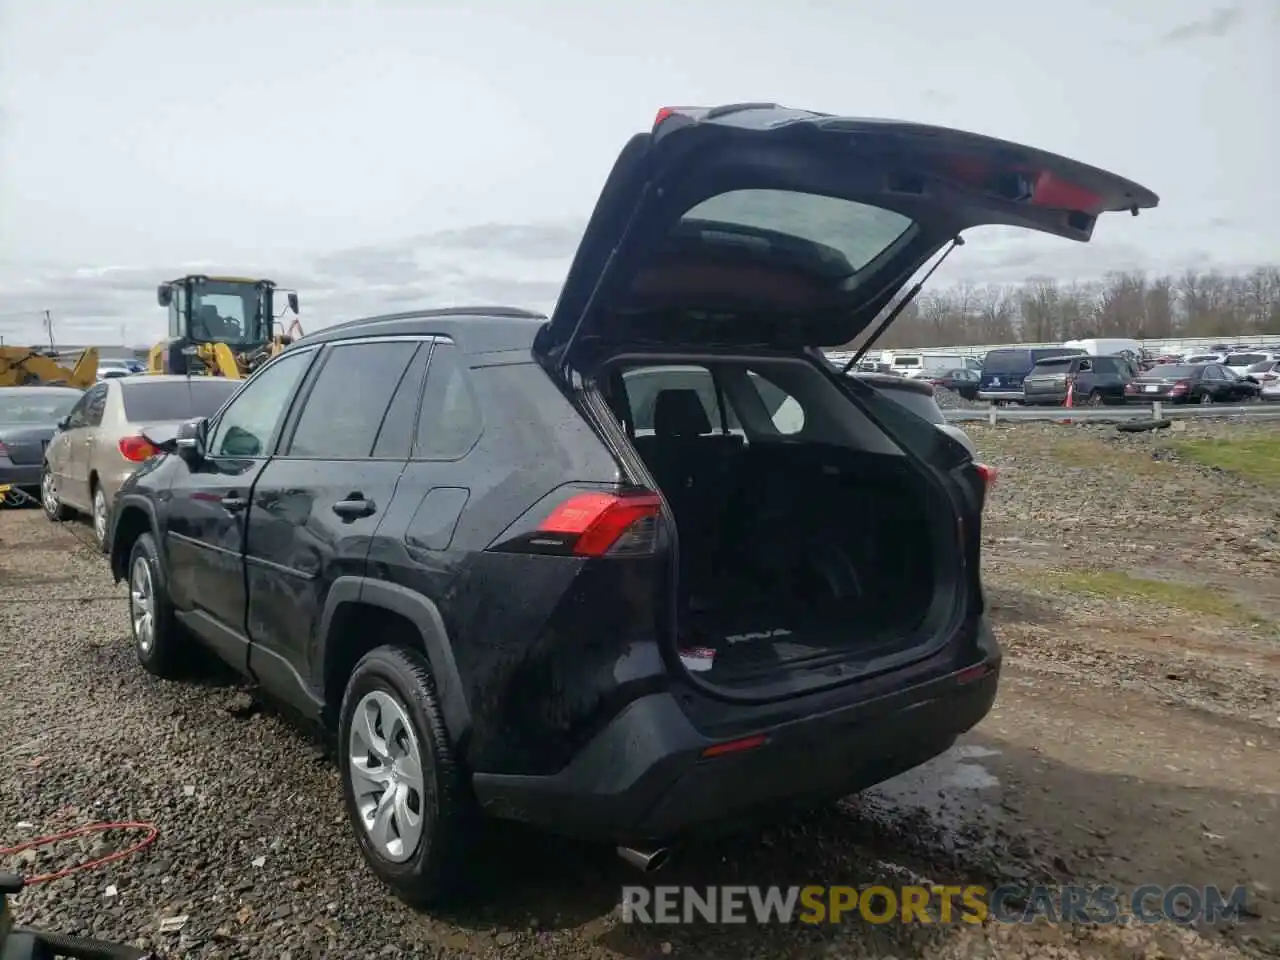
pixel 1193 304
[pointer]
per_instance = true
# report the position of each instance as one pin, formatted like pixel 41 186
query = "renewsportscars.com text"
pixel 974 904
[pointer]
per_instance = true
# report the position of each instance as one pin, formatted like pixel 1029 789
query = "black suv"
pixel 1093 381
pixel 647 565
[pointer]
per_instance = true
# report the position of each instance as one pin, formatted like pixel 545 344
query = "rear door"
pixel 75 445
pixel 318 502
pixel 760 224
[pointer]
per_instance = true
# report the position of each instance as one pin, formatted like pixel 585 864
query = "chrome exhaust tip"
pixel 646 861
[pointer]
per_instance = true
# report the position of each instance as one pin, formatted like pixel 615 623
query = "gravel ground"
pixel 1133 741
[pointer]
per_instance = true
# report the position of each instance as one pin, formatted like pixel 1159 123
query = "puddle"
pixel 959 795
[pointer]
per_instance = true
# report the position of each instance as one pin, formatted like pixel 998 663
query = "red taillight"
pixel 1265 377
pixel 4 451
pixel 137 449
pixel 606 524
pixel 1130 388
pixel 735 746
pixel 1180 387
pixel 987 473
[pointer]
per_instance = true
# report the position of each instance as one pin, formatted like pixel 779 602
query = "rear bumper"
pixel 1149 398
pixel 644 776
pixel 1046 399
pixel 1014 396
pixel 20 474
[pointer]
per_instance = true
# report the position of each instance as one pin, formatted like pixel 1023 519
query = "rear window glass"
pixel 1175 370
pixel 175 399
pixel 1244 359
pixel 921 404
pixel 32 407
pixel 1053 365
pixel 1007 361
pixel 1263 367
pixel 906 361
pixel 858 231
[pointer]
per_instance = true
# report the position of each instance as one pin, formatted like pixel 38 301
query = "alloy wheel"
pixel 385 764
pixel 142 604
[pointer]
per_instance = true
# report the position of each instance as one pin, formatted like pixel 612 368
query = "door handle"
pixel 234 503
pixel 354 507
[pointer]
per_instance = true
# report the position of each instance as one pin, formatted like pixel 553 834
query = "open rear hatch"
pixel 760 231
pixel 763 225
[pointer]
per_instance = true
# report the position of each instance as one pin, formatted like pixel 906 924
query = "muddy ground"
pixel 1135 585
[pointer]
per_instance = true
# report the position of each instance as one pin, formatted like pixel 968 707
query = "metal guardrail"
pixel 1132 411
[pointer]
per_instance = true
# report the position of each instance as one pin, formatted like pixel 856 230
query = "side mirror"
pixel 164 294
pixel 64 423
pixel 190 441
pixel 293 301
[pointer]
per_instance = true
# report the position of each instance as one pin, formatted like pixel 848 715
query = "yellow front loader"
pixel 222 326
pixel 28 366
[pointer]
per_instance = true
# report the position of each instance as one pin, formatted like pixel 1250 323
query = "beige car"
pixel 99 443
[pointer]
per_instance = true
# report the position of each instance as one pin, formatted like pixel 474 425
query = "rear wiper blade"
pixel 900 306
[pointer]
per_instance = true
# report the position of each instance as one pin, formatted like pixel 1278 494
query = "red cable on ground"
pixel 152 833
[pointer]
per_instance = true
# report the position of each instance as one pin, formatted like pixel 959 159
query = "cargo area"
pixel 804 536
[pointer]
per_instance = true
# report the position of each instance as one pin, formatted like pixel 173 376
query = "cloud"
pixel 510 264
pixel 1217 24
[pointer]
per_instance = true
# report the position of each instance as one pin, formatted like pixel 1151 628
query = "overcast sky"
pixel 384 154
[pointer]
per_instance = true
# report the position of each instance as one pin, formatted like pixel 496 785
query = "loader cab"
pixel 237 312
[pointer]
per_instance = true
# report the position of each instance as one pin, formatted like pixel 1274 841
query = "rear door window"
pixel 645 383
pixel 785 411
pixel 344 410
pixel 148 400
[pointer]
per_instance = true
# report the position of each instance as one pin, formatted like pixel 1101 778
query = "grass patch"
pixel 1121 586
pixel 1256 457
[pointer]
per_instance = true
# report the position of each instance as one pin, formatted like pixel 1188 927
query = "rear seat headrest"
pixel 680 413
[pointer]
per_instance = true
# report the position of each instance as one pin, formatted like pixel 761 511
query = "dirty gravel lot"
pixel 1134 741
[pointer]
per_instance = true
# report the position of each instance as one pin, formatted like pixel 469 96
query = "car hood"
pixel 945 181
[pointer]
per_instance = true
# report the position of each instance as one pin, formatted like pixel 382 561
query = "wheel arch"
pixel 132 518
pixel 399 616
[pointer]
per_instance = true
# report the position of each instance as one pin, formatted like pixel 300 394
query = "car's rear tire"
pixel 53 508
pixel 162 646
pixel 1206 397
pixel 390 725
pixel 101 515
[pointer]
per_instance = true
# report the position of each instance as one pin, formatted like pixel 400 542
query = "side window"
pixel 75 416
pixel 784 410
pixel 1212 373
pixel 344 411
pixel 645 383
pixel 450 422
pixel 248 423
pixel 1086 366
pixel 95 404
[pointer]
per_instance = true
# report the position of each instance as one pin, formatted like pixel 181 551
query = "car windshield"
pixel 1203 358
pixel 1174 370
pixel 1266 366
pixel 145 399
pixel 1007 361
pixel 29 407
pixel 856 232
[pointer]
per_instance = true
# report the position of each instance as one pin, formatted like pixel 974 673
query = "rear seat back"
pixel 695 469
